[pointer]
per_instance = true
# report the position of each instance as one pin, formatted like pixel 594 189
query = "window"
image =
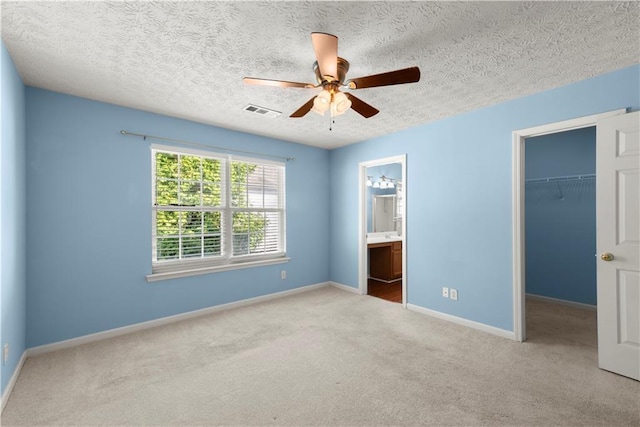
pixel 212 210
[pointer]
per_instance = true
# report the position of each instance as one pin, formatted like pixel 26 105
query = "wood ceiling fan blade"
pixel 277 83
pixel 361 107
pixel 302 111
pixel 325 47
pixel 406 75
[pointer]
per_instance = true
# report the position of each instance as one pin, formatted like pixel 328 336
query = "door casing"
pixel 362 222
pixel 518 173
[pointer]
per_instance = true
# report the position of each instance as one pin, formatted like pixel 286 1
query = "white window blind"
pixel 211 209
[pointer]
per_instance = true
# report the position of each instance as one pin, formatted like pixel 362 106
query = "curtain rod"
pixel 195 144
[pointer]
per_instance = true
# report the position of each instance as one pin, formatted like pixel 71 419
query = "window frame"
pixel 167 269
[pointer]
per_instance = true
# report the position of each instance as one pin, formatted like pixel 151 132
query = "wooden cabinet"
pixel 396 262
pixel 385 261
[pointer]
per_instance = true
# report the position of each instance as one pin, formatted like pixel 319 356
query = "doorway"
pixel 519 183
pixel 560 238
pixel 382 247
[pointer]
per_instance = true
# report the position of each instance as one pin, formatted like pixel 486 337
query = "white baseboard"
pixel 73 342
pixel 563 302
pixel 464 322
pixel 12 381
pixel 345 287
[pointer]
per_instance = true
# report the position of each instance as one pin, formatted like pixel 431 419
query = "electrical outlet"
pixel 445 292
pixel 454 294
pixel 283 274
pixel 5 353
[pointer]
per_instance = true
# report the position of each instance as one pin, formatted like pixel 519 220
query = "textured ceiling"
pixel 187 59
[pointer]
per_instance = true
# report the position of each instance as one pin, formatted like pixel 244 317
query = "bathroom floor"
pixel 387 291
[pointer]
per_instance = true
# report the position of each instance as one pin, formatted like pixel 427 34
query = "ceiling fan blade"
pixel 277 83
pixel 361 107
pixel 326 49
pixel 406 75
pixel 302 111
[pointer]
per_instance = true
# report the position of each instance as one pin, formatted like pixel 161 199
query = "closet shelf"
pixel 561 178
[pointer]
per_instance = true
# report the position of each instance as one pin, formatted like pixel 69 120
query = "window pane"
pixel 239 181
pixel 191 223
pixel 272 177
pixel 239 195
pixel 189 193
pixel 211 170
pixel 166 192
pixel 191 247
pixel 212 245
pixel 240 233
pixel 271 199
pixel 272 184
pixel 167 223
pixel 167 248
pixel 240 244
pixel 240 222
pixel 190 168
pixel 256 232
pixel 166 165
pixel 255 196
pixel 256 186
pixel 240 171
pixel 212 222
pixel 248 232
pixel 211 194
pixel 272 232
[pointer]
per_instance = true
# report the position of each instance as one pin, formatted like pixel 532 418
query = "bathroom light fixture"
pixel 386 182
pixel 383 183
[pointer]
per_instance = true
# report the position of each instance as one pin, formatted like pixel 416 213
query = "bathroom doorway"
pixel 382 229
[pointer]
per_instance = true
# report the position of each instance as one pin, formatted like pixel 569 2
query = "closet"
pixel 560 222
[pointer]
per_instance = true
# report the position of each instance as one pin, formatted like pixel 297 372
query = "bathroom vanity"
pixel 385 258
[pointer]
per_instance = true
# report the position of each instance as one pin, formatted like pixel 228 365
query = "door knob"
pixel 606 256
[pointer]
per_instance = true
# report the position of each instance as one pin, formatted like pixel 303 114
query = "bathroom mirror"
pixel 383 216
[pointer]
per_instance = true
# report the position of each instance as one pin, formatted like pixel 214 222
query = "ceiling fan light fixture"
pixel 340 104
pixel 322 102
pixel 323 99
pixel 317 110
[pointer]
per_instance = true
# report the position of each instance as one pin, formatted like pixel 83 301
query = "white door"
pixel 618 243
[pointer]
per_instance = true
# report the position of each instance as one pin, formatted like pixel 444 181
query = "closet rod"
pixel 196 144
pixel 562 178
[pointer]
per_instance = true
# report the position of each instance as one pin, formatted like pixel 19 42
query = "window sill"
pixel 215 269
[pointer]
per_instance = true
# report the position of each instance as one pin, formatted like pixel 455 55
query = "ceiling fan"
pixel 330 72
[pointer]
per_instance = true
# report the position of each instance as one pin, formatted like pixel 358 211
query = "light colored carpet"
pixel 329 357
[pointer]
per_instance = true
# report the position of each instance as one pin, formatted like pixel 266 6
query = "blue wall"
pixel 89 219
pixel 560 218
pixel 13 281
pixel 459 195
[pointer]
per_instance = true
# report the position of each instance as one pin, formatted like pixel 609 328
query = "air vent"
pixel 262 111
